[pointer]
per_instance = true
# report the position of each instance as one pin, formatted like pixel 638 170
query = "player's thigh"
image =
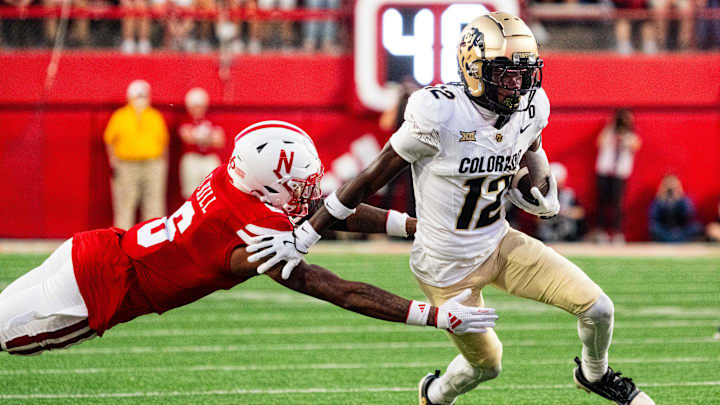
pixel 36 276
pixel 480 349
pixel 57 292
pixel 527 268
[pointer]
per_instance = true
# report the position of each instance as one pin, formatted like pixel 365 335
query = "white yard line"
pixel 384 246
pixel 351 346
pixel 380 329
pixel 161 394
pixel 229 300
pixel 707 314
pixel 328 366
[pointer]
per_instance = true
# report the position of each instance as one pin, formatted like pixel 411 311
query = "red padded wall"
pixel 55 172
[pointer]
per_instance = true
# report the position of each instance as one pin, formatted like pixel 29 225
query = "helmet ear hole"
pixel 270 189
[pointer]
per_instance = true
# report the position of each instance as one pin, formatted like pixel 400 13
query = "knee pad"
pixel 464 376
pixel 491 373
pixel 602 311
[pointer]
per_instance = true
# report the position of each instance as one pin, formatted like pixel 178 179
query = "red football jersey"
pixel 186 256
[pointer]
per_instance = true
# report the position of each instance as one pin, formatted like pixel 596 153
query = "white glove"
pixel 285 246
pixel 460 319
pixel 548 206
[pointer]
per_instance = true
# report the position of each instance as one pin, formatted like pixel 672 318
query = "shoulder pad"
pixel 429 107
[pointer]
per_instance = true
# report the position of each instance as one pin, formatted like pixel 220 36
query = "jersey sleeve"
pixel 419 135
pixel 271 224
pixel 408 146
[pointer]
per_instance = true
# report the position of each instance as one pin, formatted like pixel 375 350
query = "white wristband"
pixel 305 237
pixel 336 208
pixel 418 313
pixel 395 223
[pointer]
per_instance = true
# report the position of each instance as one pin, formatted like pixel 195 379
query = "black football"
pixel 533 171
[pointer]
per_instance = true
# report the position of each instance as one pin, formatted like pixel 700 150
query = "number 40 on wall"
pixel 421 44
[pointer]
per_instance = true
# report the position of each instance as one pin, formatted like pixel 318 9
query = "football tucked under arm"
pixel 533 187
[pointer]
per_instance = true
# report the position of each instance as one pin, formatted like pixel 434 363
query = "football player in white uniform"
pixel 464 142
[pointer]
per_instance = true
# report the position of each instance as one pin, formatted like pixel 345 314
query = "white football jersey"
pixel 461 166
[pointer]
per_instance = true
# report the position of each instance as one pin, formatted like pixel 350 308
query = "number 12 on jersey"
pixel 491 212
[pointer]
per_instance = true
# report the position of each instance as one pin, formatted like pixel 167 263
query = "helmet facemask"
pixel 506 82
pixel 302 193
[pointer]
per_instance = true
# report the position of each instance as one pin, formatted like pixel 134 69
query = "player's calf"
pixel 595 328
pixel 24 340
pixel 460 377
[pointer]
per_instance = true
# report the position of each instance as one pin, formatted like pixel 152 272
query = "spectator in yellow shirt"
pixel 137 138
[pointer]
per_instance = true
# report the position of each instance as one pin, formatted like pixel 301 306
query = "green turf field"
pixel 263 344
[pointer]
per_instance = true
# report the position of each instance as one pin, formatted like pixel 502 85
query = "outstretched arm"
pixel 370 219
pixel 386 166
pixel 372 301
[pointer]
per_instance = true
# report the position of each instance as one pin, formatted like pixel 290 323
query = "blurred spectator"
pixel 672 213
pixel 229 33
pixel 708 31
pixel 569 224
pixel 132 25
pixel 14 32
pixel 137 139
pixel 661 9
pixel 267 28
pixel 201 142
pixel 392 118
pixel 205 27
pixel 623 29
pixel 390 121
pixel 80 32
pixel 617 145
pixel 323 33
pixel 177 27
pixel 712 230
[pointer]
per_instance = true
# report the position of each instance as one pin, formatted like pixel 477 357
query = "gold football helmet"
pixel 498 62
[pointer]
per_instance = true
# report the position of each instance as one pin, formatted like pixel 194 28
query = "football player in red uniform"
pixel 104 277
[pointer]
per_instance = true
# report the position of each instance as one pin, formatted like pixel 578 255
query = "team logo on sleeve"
pixel 467 136
pixel 432 138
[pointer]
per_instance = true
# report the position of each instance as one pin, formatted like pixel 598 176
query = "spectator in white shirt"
pixel 617 145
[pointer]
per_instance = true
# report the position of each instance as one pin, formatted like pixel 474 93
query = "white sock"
pixel 459 378
pixel 595 328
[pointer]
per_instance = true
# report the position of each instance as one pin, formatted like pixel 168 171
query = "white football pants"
pixel 43 309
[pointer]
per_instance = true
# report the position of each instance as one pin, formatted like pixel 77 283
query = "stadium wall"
pixel 56 171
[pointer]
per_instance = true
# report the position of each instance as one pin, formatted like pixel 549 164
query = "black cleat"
pixel 423 387
pixel 612 386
